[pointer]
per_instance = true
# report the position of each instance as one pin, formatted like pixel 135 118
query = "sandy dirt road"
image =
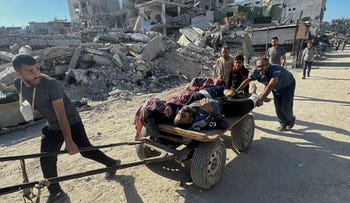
pixel 310 163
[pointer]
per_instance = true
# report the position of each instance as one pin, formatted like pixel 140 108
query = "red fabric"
pixel 153 104
pixel 183 95
pixel 178 97
pixel 227 22
pixel 235 70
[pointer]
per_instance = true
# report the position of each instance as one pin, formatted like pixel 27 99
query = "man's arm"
pixel 283 59
pixel 268 53
pixel 206 105
pixel 283 56
pixel 216 69
pixel 268 89
pixel 303 55
pixel 243 85
pixel 228 80
pixel 61 116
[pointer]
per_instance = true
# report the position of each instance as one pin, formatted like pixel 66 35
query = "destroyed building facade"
pixel 293 10
pixel 109 13
pixel 55 27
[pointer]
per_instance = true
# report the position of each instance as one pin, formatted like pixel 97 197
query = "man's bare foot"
pixel 229 92
pixel 253 89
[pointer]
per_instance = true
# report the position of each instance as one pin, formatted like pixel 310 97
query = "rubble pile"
pixel 337 33
pixel 115 64
pixel 122 59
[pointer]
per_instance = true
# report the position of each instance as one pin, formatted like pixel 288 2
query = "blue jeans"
pixel 283 100
pixel 307 65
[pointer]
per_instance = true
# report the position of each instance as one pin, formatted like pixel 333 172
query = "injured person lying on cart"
pixel 156 111
pixel 212 113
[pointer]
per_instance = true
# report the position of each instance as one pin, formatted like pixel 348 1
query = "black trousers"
pixel 52 141
pixel 235 106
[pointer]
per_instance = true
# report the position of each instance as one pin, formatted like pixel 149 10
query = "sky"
pixel 21 12
pixel 336 9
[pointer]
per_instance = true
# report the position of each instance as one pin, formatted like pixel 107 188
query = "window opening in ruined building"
pixel 293 9
pixel 158 18
pixel 257 2
pixel 84 7
pixel 94 10
pixel 76 9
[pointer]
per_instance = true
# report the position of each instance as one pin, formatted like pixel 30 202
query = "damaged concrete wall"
pixel 110 13
pixel 163 16
pixel 292 10
pixel 55 27
pixel 39 41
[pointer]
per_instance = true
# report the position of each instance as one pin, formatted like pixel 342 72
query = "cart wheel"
pixel 242 134
pixel 144 152
pixel 208 162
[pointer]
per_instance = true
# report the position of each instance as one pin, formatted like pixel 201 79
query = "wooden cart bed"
pixel 203 135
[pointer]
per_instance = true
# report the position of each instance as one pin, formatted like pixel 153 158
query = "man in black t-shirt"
pixel 63 121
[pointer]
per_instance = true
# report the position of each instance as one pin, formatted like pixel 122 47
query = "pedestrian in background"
pixel 237 75
pixel 223 65
pixel 307 57
pixel 276 54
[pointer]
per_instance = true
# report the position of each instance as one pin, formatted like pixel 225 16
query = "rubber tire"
pixel 208 161
pixel 242 134
pixel 144 152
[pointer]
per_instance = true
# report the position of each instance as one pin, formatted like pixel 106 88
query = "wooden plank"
pixel 191 134
pixel 204 135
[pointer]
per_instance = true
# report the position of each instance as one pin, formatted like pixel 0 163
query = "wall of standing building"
pixel 292 10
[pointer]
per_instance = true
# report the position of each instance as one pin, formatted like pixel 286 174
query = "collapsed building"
pixel 116 49
pixel 109 13
pixel 55 27
pixel 336 33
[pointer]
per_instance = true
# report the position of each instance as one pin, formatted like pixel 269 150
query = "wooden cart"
pixel 206 148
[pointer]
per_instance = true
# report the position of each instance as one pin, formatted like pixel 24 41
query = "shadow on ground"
pixel 12 137
pixel 303 98
pixel 275 170
pixel 269 172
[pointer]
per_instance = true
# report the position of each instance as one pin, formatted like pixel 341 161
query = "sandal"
pixel 290 125
pixel 281 128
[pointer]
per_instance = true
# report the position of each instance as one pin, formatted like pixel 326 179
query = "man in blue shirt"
pixel 282 84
